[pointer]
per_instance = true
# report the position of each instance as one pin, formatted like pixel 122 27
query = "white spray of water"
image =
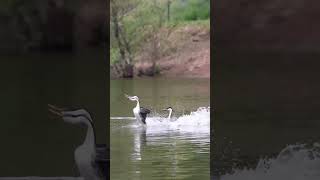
pixel 295 162
pixel 196 122
pixel 123 118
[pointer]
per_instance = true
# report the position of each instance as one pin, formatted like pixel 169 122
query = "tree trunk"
pixel 128 71
pixel 117 34
pixel 169 2
pixel 124 47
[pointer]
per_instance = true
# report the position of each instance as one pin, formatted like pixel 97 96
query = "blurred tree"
pixel 141 29
pixel 119 9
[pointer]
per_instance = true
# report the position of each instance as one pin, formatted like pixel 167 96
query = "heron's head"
pixel 79 116
pixel 132 98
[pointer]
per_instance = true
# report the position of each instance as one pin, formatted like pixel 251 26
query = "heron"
pixel 90 158
pixel 170 111
pixel 139 112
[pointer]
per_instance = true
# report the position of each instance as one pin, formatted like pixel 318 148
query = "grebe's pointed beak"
pixel 127 96
pixel 55 110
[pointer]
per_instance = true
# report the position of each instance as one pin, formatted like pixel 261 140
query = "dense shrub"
pixel 190 10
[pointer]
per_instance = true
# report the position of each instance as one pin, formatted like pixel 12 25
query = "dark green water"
pixel 32 143
pixel 138 153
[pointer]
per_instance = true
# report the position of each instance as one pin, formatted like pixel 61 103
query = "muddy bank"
pixel 189 56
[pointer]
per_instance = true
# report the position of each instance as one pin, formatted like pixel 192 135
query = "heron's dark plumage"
pixel 143 114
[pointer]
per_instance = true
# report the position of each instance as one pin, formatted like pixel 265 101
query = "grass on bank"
pixel 190 10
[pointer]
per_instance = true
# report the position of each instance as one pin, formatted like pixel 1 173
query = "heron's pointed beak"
pixel 55 110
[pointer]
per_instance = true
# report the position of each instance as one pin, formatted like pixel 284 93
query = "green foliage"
pixel 114 55
pixel 190 10
pixel 144 20
pixel 147 17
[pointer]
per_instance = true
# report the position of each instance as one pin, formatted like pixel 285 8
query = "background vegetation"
pixel 142 26
pixel 52 25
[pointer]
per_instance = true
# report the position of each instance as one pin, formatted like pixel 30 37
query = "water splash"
pixel 196 122
pixel 123 118
pixel 295 162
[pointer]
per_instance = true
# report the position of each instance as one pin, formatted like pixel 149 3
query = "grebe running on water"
pixel 170 111
pixel 139 112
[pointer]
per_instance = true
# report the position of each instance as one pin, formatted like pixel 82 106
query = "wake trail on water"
pixel 123 118
pixel 295 162
pixel 195 122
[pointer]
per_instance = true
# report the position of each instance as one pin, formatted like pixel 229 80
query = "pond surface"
pixel 161 150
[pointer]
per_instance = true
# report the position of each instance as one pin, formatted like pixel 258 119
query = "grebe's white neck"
pixel 138 105
pixel 83 118
pixel 170 112
pixel 90 140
